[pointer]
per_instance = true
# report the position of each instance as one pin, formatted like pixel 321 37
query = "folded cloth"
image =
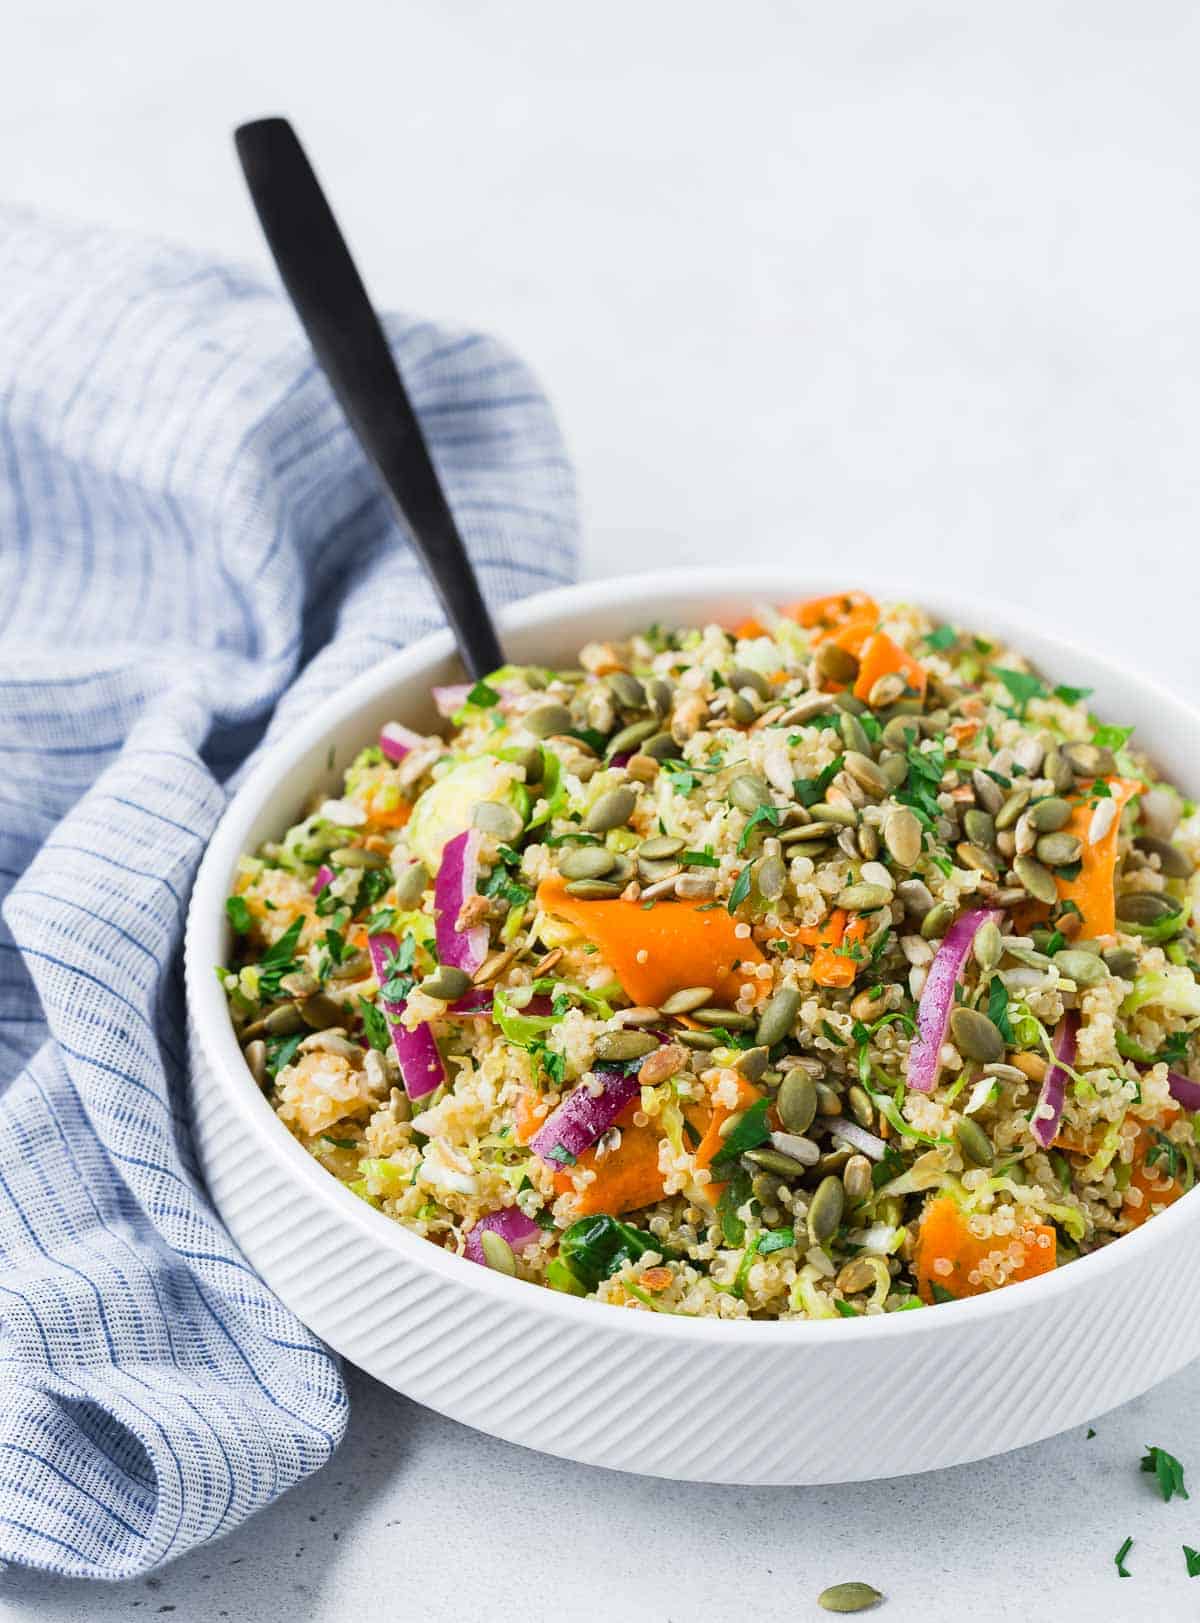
pixel 192 553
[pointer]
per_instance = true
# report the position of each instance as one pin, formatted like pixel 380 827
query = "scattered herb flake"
pixel 1167 1469
pixel 238 914
pixel 1119 1558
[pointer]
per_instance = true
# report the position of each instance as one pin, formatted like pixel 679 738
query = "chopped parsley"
pixel 1070 695
pixel 483 696
pixel 998 1010
pixel 279 961
pixel 1119 1558
pixel 941 638
pixel 1022 686
pixel 238 914
pixel 374 1025
pixel 373 884
pixel 940 1293
pixel 1192 1557
pixel 1107 737
pixel 809 790
pixel 750 1131
pixel 760 814
pixel 281 1051
pixel 699 859
pixel 735 1193
pixel 741 889
pixel 1167 1469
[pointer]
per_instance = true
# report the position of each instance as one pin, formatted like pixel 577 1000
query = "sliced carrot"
pixel 831 967
pixel 880 656
pixel 386 816
pixel 528 1115
pixel 712 1139
pixel 626 1178
pixel 1157 1188
pixel 749 628
pixel 947 1253
pixel 853 636
pixel 1093 892
pixel 824 614
pixel 654 951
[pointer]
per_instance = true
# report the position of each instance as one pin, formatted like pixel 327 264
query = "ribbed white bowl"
pixel 692 1398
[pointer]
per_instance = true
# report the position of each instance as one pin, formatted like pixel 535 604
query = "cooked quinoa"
pixel 835 964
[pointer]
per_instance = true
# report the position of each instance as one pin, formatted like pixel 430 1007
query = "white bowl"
pixel 692 1398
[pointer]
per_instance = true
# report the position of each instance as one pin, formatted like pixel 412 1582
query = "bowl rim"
pixel 208 1013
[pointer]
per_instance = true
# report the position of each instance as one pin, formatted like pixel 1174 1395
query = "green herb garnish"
pixel 1167 1469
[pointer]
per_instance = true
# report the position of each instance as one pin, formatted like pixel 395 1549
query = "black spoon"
pixel 347 339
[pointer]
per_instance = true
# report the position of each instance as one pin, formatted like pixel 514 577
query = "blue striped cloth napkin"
pixel 192 552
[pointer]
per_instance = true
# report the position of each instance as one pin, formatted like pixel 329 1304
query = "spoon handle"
pixel 324 286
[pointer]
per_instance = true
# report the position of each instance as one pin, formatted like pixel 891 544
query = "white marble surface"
pixel 914 286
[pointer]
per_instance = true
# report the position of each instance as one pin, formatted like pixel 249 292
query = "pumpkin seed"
pixel 1089 760
pixel 916 896
pixel 630 737
pixel 1171 859
pixel 798 1147
pixel 256 1059
pixel 776 1019
pixel 797 1101
pixel 772 1160
pixel 973 1142
pixel 586 862
pixel 612 810
pixel 751 1063
pixel 697 1039
pixel 660 694
pixel 861 1107
pixel 687 999
pixel 847 702
pixel 411 885
pixel 894 770
pixel 1036 879
pixel 659 747
pixel 1144 907
pixel 748 793
pixel 320 1011
pixel 627 690
pixel 1014 804
pixel 1084 968
pixel 651 873
pixel 853 735
pixel 356 856
pixel 829 812
pixel 354 967
pixel 886 690
pixel 903 837
pixel 900 733
pixel 282 1022
pixel 979 827
pixel 975 1036
pixel 851 1597
pixel 1049 815
pixel 1057 850
pixel 741 676
pixel 987 791
pixel 856 1179
pixel 497 1253
pixel 865 773
pixel 694 885
pixel 976 858
pixel 988 947
pixel 864 898
pixel 869 1003
pixel 828 1102
pixel 532 762
pixel 729 1018
pixel 642 1014
pixel 446 983
pixel 494 817
pixel 660 847
pixel 825 1210
pixel 594 890
pixel 1058 770
pixel 868 840
pixel 938 920
pixel 770 878
pixel 742 709
pixel 835 664
pixel 1027 956
pixel 809 834
pixel 805 708
pixel 618 1046
pixel 1122 962
pixel 545 720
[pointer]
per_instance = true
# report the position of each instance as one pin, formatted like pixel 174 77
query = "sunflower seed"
pixel 256 1059
pixel 886 690
pixel 865 773
pixel 856 1179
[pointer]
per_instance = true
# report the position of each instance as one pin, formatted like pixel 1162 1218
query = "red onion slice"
pixel 323 876
pixel 511 1224
pixel 420 1062
pixel 456 881
pixel 937 999
pixel 583 1117
pixel 450 698
pixel 1184 1091
pixel 396 741
pixel 1048 1111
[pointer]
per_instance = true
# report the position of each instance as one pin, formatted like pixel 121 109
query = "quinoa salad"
pixel 832 964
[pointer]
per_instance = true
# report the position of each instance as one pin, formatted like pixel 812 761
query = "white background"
pixel 915 287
